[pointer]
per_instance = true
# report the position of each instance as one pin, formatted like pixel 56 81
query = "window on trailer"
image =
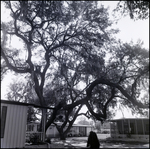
pixel 3 120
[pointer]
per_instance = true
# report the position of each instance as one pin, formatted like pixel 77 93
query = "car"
pixel 73 133
pixel 106 132
pixel 80 134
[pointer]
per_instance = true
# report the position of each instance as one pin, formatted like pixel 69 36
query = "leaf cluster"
pixel 135 9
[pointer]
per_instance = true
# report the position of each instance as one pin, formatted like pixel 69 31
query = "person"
pixel 93 141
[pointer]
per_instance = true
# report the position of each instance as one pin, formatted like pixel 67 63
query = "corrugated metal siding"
pixel 15 128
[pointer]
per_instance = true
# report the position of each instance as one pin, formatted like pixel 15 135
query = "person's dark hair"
pixel 93 141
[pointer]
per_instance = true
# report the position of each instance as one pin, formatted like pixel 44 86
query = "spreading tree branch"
pixel 115 85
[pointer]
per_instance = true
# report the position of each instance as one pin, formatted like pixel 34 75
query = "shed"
pixel 13 124
pixel 133 128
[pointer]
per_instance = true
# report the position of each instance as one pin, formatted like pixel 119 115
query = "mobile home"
pixel 134 128
pixel 77 128
pixel 13 124
pixel 53 132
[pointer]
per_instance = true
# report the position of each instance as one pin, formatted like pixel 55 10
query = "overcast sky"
pixel 130 29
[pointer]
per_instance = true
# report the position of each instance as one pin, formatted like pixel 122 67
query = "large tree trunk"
pixel 62 136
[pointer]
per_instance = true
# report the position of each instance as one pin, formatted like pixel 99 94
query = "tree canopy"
pixel 63 53
pixel 135 9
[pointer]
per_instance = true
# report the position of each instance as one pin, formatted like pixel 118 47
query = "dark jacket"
pixel 93 141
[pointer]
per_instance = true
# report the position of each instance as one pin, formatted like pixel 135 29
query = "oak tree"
pixel 63 45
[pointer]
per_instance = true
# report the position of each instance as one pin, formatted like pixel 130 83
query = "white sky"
pixel 129 30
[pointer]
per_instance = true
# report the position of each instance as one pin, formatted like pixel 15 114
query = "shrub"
pixel 34 138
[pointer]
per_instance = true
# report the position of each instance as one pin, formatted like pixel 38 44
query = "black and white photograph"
pixel 75 74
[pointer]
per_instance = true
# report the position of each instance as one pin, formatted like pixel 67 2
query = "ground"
pixel 105 142
pixel 80 142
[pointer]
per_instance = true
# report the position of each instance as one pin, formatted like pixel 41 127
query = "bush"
pixel 105 132
pixel 48 139
pixel 35 139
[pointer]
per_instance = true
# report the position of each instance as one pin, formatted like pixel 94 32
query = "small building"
pixel 77 128
pixel 53 132
pixel 32 128
pixel 135 128
pixel 13 124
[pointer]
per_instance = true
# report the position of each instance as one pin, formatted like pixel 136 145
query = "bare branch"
pixel 10 66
